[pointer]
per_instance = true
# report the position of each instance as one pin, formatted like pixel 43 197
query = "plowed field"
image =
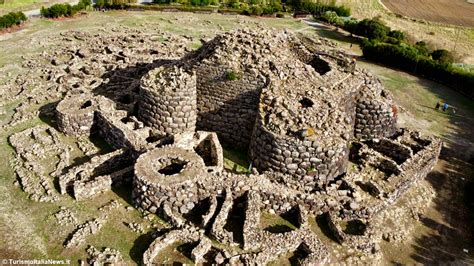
pixel 457 12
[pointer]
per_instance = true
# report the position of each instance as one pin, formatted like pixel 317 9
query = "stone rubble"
pixel 321 134
pixel 106 256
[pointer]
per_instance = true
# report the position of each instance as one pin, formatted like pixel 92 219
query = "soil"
pixel 456 12
pixel 13 28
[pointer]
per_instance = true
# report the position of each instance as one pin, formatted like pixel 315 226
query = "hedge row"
pixel 64 10
pixel 409 58
pixel 114 4
pixel 12 18
pixel 317 8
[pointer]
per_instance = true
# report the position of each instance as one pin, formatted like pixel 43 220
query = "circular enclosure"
pixel 168 166
pixel 75 114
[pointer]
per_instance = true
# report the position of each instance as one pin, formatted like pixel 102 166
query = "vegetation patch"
pixel 11 19
pixel 64 10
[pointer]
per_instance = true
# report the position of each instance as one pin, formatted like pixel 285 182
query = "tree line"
pixel 64 10
pixel 391 47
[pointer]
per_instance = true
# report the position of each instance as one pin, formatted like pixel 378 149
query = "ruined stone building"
pixel 320 132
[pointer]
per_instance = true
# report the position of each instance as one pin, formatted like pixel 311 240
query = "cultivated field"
pixel 457 12
pixel 436 34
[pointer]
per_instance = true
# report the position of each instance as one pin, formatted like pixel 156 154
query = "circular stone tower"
pixel 75 114
pixel 168 100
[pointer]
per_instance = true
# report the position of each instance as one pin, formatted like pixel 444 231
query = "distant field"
pixel 436 34
pixel 457 12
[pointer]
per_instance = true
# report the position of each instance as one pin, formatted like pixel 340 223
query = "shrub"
pixel 113 4
pixel 280 15
pixel 64 10
pixel 370 28
pixel 231 75
pixel 332 18
pixel 12 18
pixel 396 34
pixel 317 9
pixel 256 10
pixel 442 55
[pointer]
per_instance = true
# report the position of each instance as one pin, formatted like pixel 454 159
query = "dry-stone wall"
pixel 168 100
pixel 298 105
pixel 227 105
pixel 75 115
pixel 374 119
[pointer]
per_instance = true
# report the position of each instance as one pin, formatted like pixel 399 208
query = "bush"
pixel 332 18
pixel 280 15
pixel 256 11
pixel 231 75
pixel 373 29
pixel 114 4
pixel 64 10
pixel 12 18
pixel 396 34
pixel 317 9
pixel 442 55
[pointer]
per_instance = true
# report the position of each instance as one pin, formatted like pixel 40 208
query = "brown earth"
pixel 456 12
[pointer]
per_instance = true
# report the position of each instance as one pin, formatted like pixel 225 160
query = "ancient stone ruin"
pixel 321 134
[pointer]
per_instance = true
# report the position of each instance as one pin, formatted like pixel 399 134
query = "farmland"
pixel 437 35
pixel 456 12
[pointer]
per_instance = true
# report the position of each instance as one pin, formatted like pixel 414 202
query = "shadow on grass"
pixel 140 245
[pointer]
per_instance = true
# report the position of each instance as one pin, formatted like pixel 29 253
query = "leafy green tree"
pixel 373 29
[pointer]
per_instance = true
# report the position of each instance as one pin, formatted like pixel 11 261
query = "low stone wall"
pixel 162 175
pixel 118 134
pixel 357 233
pixel 98 165
pixel 75 114
pixel 187 234
pixel 85 189
pixel 168 100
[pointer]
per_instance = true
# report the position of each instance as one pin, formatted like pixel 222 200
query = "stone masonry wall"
pixel 374 119
pixel 75 114
pixel 313 163
pixel 168 100
pixel 227 107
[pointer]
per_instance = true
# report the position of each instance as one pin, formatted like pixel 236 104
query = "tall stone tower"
pixel 168 100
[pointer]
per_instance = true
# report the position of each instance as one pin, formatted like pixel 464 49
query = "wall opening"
pixel 86 104
pixel 321 66
pixel 172 168
pixel 306 102
pixel 126 99
pixel 204 149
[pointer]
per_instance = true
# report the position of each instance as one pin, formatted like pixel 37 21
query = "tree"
pixel 372 29
pixel 442 55
pixel 399 35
